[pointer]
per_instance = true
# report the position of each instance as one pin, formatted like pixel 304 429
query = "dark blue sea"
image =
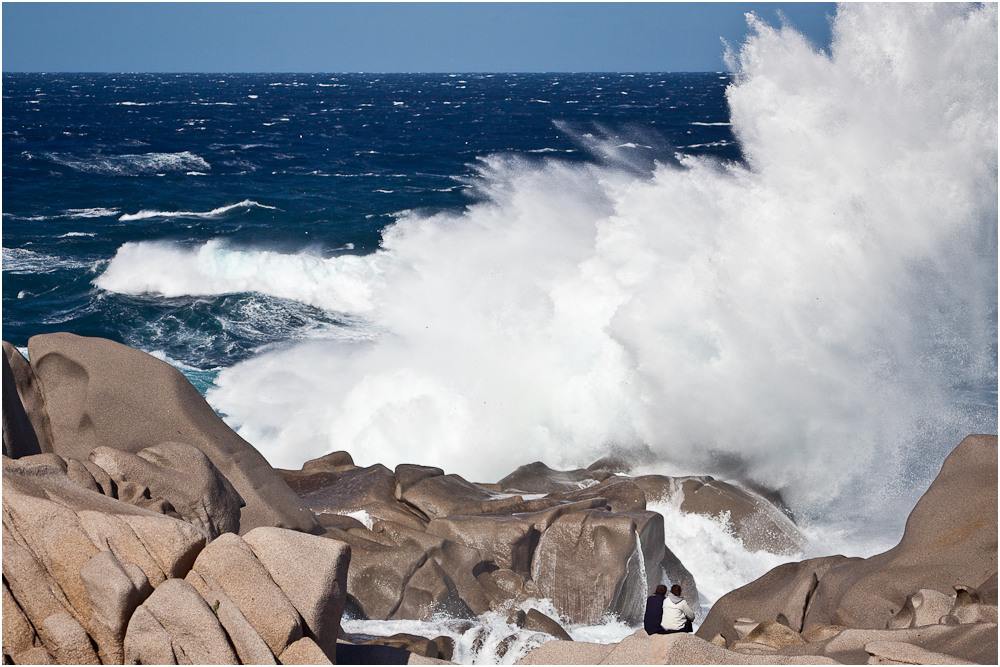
pixel 288 162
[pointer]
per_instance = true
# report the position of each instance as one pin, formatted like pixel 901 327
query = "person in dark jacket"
pixel 654 611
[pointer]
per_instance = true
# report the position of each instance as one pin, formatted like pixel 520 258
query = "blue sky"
pixel 385 37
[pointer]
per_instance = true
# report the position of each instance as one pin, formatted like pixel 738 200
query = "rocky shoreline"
pixel 138 528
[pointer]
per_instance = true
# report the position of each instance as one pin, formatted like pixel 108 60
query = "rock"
pixel 67 641
pixel 451 495
pixel 901 653
pixel 312 572
pixel 822 633
pixel 539 478
pixel 182 476
pixel 98 392
pixel 536 621
pixel 146 642
pixel 755 520
pixel 35 656
pixel 228 564
pixel 19 437
pixel 925 607
pixel 169 552
pixel 509 542
pixel 567 653
pixel 411 643
pixel 250 648
pixel 30 584
pixel 18 633
pixel 194 630
pixel 332 462
pixel 80 474
pixel 378 574
pixel 950 538
pixel 304 651
pixel 26 428
pixel 620 495
pixel 632 650
pixel 113 599
pixel 976 605
pixel 53 536
pixel 775 635
pixel 587 563
pixel 351 491
pixel 461 568
pixel 687 649
pixel 783 595
pixel 975 642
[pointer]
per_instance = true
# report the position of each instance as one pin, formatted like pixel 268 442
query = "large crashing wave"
pixel 804 319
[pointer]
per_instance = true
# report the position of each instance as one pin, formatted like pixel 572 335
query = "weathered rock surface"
pixel 138 528
pixel 89 578
pixel 439 542
pixel 179 475
pixel 94 392
pixel 935 591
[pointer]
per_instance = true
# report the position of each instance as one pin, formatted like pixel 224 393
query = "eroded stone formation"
pixel 139 528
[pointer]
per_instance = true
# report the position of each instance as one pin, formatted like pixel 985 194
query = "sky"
pixel 386 36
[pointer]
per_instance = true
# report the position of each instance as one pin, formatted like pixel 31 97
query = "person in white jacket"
pixel 677 615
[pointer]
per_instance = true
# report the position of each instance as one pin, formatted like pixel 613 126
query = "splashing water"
pixel 807 318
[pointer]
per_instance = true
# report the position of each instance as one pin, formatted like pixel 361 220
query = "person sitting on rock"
pixel 654 611
pixel 677 615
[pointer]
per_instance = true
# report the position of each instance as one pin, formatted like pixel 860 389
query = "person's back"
pixel 654 611
pixel 677 615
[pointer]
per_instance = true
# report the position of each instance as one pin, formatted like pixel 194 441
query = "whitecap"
pixel 214 213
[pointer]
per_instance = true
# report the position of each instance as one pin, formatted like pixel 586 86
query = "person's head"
pixel 660 590
pixel 675 590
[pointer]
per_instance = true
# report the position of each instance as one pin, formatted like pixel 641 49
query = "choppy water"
pixel 787 275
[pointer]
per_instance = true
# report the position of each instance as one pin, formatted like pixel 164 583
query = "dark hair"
pixel 675 589
pixel 660 590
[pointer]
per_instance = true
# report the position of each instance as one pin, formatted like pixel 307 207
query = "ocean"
pixel 785 275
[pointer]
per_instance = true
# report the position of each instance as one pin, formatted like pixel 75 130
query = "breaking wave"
pixel 220 212
pixel 802 318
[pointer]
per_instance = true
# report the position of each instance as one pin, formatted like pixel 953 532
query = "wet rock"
pixel 754 519
pixel 536 621
pixel 509 542
pixel 451 495
pixel 587 563
pixel 539 478
pixel 353 490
